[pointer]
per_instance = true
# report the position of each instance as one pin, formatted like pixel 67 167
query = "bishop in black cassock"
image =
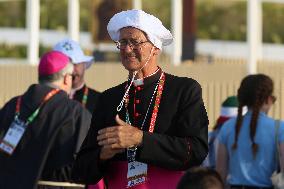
pixel 46 150
pixel 155 122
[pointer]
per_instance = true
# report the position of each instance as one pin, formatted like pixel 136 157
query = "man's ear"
pixel 65 79
pixel 156 51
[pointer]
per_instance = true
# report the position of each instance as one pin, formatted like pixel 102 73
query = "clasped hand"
pixel 116 139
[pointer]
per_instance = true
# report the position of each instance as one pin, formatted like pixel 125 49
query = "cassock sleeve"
pixel 68 139
pixel 87 168
pixel 185 143
pixel 83 125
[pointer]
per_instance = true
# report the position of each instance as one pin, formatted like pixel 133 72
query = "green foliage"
pixel 53 14
pixel 216 19
pixel 13 51
pixel 273 16
pixel 159 8
pixel 18 51
pixel 12 13
pixel 225 21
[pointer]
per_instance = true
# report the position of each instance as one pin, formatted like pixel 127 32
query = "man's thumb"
pixel 119 121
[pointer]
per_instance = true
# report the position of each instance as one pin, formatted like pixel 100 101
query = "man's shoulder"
pixel 73 104
pixel 184 82
pixel 73 107
pixel 94 91
pixel 64 102
pixel 11 101
pixel 116 90
pixel 8 106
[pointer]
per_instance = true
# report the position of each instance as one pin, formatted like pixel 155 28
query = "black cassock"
pixel 179 140
pixel 46 150
pixel 92 99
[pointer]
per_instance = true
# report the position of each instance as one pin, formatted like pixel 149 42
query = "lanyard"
pixel 35 113
pixel 157 103
pixel 85 96
pixel 159 88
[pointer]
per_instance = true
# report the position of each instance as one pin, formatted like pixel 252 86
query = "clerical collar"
pixel 73 91
pixel 148 79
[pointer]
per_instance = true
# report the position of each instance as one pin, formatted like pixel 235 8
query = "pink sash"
pixel 156 178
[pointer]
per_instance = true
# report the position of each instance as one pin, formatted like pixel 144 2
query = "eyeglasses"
pixel 134 45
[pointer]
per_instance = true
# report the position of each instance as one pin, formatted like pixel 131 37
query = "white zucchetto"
pixel 152 26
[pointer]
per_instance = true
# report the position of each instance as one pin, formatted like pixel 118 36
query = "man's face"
pixel 68 83
pixel 78 75
pixel 135 55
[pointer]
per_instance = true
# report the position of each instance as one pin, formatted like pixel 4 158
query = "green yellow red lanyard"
pixel 35 113
pixel 85 96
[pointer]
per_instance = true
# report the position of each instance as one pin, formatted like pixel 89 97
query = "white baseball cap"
pixel 151 25
pixel 73 50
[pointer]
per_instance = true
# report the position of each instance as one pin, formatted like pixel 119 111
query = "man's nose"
pixel 128 47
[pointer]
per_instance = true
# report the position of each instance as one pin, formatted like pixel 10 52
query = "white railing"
pixel 219 48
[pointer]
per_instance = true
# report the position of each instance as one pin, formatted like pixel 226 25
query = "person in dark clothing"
pixel 87 96
pixel 201 178
pixel 149 129
pixel 41 130
pixel 80 92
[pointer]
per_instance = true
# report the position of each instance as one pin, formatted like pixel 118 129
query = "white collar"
pixel 139 82
pixel 73 91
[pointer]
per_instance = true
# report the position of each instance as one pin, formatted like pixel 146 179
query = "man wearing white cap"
pixel 86 96
pixel 151 128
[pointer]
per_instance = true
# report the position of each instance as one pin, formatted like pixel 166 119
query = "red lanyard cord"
pixel 35 113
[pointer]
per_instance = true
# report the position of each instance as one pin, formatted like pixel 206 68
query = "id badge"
pixel 13 136
pixel 136 174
